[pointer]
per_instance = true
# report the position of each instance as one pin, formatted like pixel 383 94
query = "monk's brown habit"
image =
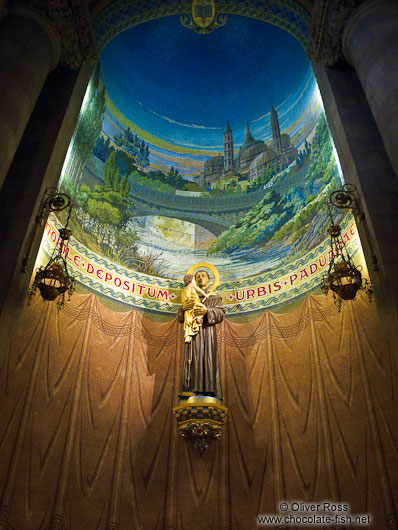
pixel 203 374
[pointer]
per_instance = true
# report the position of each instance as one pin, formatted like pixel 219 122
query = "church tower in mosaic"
pixel 276 133
pixel 228 148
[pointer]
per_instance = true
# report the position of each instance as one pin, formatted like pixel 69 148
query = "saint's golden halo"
pixel 211 268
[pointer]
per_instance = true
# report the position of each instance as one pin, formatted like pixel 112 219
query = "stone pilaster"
pixel 36 166
pixel 328 21
pixel 72 22
pixel 35 35
pixel 365 164
pixel 45 48
pixel 370 44
pixel 361 105
pixel 29 50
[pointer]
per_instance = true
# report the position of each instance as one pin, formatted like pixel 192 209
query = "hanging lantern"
pixel 54 279
pixel 344 279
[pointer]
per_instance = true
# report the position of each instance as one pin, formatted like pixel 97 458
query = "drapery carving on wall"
pixel 88 440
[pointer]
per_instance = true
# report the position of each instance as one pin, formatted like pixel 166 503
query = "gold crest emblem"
pixel 203 17
pixel 203 12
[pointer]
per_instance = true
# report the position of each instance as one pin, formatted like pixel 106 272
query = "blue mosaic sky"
pixel 182 87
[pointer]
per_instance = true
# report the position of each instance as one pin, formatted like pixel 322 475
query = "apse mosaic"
pixel 200 148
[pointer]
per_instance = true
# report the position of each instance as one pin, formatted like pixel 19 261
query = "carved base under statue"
pixel 200 420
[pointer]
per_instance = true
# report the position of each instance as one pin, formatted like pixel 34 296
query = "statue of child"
pixel 191 291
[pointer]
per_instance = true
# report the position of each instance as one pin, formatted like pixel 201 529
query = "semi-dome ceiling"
pixel 182 87
pixel 201 148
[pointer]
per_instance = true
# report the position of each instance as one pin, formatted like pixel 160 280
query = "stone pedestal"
pixel 200 420
pixel 29 50
pixel 370 44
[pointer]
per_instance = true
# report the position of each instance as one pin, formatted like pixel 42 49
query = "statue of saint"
pixel 203 309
